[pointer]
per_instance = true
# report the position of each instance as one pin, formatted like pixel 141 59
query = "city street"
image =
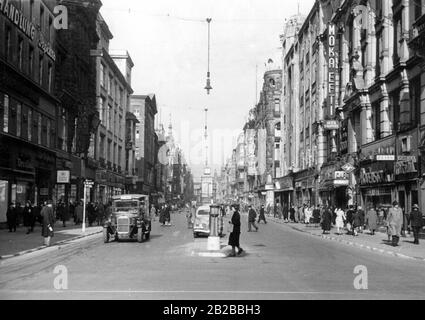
pixel 280 263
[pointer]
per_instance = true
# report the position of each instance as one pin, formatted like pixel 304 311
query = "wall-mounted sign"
pixel 330 125
pixel 385 157
pixel 17 17
pixel 348 167
pixel 332 58
pixel 375 177
pixel 44 191
pixel 405 164
pixel 63 176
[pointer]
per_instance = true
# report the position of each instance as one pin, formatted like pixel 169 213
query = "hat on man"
pixel 415 206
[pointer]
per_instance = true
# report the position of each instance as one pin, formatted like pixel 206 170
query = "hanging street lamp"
pixel 208 86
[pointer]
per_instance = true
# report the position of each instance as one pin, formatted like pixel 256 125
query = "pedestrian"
pixel 292 213
pixel 48 222
pixel 362 217
pixel 276 210
pixel 11 216
pixel 251 218
pixel 326 220
pixel 91 215
pixel 302 213
pixel 416 222
pixel 153 212
pixel 71 210
pixel 372 220
pixel 381 214
pixel 64 214
pixel 350 218
pixel 339 220
pixel 316 215
pixel 234 236
pixel 395 222
pixel 307 214
pixel 79 213
pixel 356 222
pixel 262 216
pixel 406 223
pixel 189 216
pixel 29 217
pixel 100 213
pixel 285 212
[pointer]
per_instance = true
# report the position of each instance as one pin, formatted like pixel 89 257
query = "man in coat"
pixel 251 218
pixel 235 234
pixel 395 221
pixel 11 216
pixel 416 222
pixel 48 222
pixel 372 220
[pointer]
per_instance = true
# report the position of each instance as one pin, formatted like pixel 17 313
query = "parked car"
pixel 130 218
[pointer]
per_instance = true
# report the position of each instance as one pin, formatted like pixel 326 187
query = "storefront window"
pixel 4 201
pixel 18 119
pixel 6 114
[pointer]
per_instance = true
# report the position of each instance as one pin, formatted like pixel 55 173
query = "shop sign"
pixel 375 177
pixel 17 17
pixel 330 125
pixel 343 144
pixel 44 191
pixel 384 157
pixel 374 192
pixel 63 176
pixel 348 167
pixel 405 164
pixel 332 57
pixel 338 182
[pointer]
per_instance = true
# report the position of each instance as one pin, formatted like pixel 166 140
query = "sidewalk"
pixel 377 242
pixel 17 243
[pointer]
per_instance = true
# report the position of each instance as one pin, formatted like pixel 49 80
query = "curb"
pixel 45 247
pixel 351 243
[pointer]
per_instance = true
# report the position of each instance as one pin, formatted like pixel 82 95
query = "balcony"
pixel 417 35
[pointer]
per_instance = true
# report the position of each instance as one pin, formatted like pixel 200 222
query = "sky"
pixel 168 43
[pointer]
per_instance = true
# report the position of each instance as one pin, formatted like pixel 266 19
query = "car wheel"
pixel 105 235
pixel 147 235
pixel 195 235
pixel 139 235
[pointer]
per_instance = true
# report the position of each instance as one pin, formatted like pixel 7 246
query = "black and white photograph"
pixel 223 152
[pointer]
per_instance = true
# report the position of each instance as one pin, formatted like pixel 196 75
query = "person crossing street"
pixel 262 216
pixel 251 218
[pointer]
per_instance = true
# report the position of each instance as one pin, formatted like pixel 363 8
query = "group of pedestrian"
pixel 165 214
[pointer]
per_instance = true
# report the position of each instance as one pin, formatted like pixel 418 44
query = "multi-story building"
pixel 47 101
pixel 268 128
pixel 108 145
pixel 145 109
pixel 130 152
pixel 380 96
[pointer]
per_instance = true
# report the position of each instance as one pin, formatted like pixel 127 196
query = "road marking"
pixel 169 291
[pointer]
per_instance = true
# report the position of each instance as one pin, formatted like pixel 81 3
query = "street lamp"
pixel 208 86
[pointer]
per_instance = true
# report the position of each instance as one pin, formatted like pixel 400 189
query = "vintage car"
pixel 130 218
pixel 201 224
pixel 202 221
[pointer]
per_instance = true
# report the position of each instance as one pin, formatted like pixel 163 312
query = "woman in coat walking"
pixel 395 221
pixel 235 234
pixel 326 220
pixel 11 216
pixel 372 220
pixel 48 222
